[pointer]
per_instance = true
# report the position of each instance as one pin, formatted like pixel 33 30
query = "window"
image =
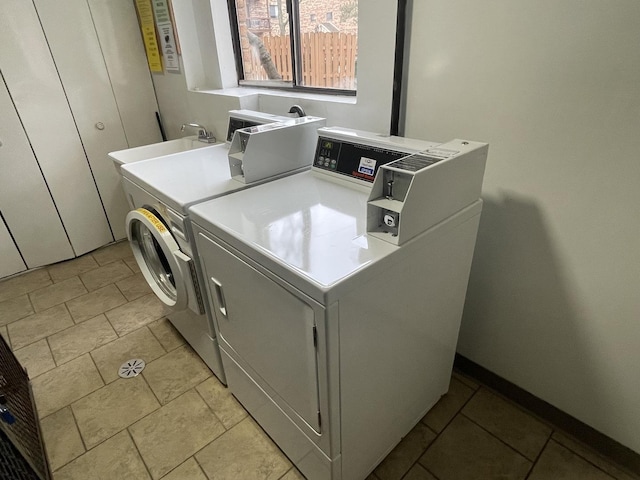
pixel 316 56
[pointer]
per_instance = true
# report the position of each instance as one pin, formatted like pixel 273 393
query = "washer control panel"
pixel 237 124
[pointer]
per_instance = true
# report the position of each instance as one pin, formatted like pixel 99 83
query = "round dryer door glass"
pixel 159 257
pixel 155 259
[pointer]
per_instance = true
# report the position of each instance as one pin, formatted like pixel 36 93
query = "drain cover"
pixel 131 368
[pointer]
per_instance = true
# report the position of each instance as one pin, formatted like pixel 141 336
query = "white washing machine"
pixel 160 190
pixel 337 305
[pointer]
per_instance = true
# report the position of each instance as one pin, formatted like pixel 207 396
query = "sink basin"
pixel 155 150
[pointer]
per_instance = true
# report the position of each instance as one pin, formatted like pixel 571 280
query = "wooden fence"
pixel 328 60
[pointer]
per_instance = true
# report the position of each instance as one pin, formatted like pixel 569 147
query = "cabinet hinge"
pixel 315 336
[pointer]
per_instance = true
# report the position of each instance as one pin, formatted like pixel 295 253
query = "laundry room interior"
pixel 428 271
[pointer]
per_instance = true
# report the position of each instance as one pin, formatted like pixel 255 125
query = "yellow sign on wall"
pixel 148 29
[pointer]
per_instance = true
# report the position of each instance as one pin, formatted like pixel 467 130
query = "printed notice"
pixel 161 11
pixel 148 29
pixel 169 49
pixel 367 166
pixel 167 36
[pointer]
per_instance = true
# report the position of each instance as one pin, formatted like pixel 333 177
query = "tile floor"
pixel 72 324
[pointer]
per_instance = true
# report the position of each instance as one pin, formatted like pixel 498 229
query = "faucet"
pixel 203 135
pixel 298 110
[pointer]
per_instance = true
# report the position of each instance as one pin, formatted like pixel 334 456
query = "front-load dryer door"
pixel 159 257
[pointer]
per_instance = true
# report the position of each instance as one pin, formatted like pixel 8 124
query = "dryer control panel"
pixel 357 154
pixel 352 159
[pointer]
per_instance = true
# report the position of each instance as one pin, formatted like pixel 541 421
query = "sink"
pixel 155 150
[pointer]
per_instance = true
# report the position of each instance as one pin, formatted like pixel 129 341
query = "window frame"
pixel 294 29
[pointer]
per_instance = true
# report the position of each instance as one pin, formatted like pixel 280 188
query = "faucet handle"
pixel 206 137
pixel 203 135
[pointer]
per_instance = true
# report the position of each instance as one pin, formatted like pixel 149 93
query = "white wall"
pixel 554 298
pixel 196 96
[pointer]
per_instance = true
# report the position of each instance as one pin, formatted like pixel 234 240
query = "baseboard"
pixel 599 442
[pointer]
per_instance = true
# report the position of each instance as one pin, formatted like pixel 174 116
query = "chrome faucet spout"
pixel 298 110
pixel 203 134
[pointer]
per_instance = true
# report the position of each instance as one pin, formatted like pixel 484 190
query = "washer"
pixel 336 340
pixel 159 192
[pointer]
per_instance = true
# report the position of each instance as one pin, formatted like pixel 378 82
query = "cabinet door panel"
pixel 77 55
pixel 10 260
pixel 117 27
pixel 268 327
pixel 25 201
pixel 35 87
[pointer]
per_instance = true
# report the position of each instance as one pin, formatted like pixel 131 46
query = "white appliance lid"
pixel 307 225
pixel 181 179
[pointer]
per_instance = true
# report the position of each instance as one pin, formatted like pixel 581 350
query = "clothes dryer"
pixel 160 190
pixel 337 339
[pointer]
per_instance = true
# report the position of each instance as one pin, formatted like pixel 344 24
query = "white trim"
pixel 206 96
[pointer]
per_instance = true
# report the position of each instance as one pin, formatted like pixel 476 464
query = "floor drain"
pixel 131 368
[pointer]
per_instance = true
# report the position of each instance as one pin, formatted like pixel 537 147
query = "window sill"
pixel 243 92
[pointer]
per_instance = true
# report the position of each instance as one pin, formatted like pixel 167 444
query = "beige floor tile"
pixel 94 303
pixel 136 314
pixel 115 459
pixel 293 474
pixel 113 252
pixel 189 470
pixel 418 472
pixel 38 326
pixel 64 385
pixel 169 436
pixel 71 268
pixel 176 372
pixel 138 344
pixel 61 438
pixel 36 358
pixel 592 456
pixel 400 460
pixel 166 334
pixel 102 276
pixel 82 338
pixel 220 400
pixel 449 405
pixel 25 283
pixel 113 408
pixel 15 309
pixel 507 422
pixel 468 381
pixel 560 463
pixel 466 451
pixel 132 264
pixel 57 293
pixel 243 452
pixel 134 287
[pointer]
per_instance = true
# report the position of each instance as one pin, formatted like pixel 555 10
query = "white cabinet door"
pixel 25 201
pixel 269 327
pixel 81 67
pixel 10 260
pixel 35 87
pixel 117 27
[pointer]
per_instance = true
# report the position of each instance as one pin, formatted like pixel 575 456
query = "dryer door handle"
pixel 222 306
